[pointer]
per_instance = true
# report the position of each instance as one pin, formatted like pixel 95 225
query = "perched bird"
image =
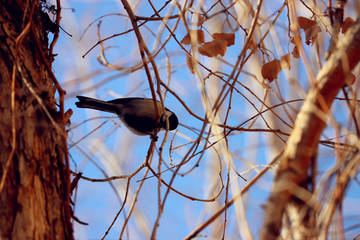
pixel 138 114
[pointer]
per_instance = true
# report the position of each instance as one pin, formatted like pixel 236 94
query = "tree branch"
pixel 310 122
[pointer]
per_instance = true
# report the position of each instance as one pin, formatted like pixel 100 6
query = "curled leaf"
pixel 197 36
pixel 228 37
pixel 295 52
pixel 213 48
pixel 305 23
pixel 311 34
pixel 271 69
pixel 190 64
pixel 285 61
pixel 297 41
pixel 311 29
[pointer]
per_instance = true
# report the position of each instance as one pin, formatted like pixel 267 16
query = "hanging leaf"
pixel 297 41
pixel 213 48
pixel 190 64
pixel 295 52
pixel 228 37
pixel 271 69
pixel 311 29
pixel 311 34
pixel 196 35
pixel 305 23
pixel 285 61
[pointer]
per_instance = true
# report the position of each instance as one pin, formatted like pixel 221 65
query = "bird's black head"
pixel 173 120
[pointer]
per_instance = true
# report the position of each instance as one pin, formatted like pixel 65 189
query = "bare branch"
pixel 310 122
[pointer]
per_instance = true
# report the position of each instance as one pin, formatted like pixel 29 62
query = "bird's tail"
pixel 86 102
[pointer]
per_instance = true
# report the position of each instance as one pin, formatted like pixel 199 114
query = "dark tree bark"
pixel 34 184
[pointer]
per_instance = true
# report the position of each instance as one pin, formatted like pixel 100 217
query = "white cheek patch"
pixel 165 118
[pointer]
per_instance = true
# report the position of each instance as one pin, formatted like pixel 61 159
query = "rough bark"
pixel 33 202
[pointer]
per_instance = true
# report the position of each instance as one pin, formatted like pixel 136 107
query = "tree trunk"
pixel 34 187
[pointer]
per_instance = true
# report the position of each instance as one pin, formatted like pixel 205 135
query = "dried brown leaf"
pixel 311 34
pixel 295 52
pixel 228 37
pixel 285 61
pixel 196 35
pixel 311 29
pixel 190 64
pixel 305 23
pixel 271 70
pixel 213 48
pixel 297 41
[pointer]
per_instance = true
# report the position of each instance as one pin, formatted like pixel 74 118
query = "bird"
pixel 137 114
